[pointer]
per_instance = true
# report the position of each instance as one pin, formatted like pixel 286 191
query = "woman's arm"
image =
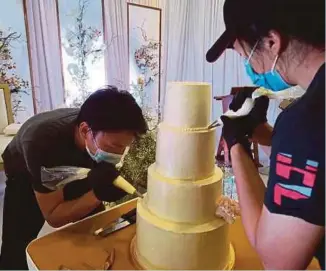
pixel 282 241
pixel 250 189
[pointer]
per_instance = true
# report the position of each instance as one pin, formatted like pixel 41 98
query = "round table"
pixel 76 248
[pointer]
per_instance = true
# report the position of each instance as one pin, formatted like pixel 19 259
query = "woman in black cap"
pixel 283 44
pixel 93 137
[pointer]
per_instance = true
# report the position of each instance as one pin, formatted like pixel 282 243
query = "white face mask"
pixel 103 156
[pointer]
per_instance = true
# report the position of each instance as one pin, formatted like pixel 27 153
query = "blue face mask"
pixel 103 156
pixel 271 80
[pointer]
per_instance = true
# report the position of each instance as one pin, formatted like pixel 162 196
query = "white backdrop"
pixel 189 28
pixel 47 76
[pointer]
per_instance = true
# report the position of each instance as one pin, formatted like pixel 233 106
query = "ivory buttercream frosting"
pixel 182 101
pixel 176 223
pixel 185 154
pixel 163 193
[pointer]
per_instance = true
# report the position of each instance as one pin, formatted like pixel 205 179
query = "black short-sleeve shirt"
pixel 296 184
pixel 48 140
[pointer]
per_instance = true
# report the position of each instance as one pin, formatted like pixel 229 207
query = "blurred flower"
pixel 147 59
pixel 140 80
pixel 8 73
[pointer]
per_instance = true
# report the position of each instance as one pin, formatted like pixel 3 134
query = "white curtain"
pixel 115 33
pixel 45 54
pixel 189 28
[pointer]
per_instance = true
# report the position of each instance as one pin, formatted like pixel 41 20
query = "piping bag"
pixel 57 177
pixel 291 93
pixel 123 184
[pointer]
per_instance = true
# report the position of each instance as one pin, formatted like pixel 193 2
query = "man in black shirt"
pixel 93 137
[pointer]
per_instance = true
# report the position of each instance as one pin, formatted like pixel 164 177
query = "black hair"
pixel 300 20
pixel 112 110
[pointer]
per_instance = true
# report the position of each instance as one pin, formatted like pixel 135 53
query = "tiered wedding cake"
pixel 176 223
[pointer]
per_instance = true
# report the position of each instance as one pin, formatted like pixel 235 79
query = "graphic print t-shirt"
pixel 296 184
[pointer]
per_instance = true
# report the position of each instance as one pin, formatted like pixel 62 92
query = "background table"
pixel 76 247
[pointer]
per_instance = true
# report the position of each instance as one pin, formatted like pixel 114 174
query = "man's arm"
pixel 272 235
pixel 58 212
pixel 55 209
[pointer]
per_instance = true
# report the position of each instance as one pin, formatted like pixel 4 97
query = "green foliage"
pixel 140 156
pixel 143 151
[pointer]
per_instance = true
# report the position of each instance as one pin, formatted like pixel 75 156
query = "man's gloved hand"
pixel 258 115
pixel 235 131
pixel 101 179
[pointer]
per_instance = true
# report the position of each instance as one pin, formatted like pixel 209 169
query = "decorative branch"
pixel 8 74
pixel 82 44
pixel 147 57
pixel 6 41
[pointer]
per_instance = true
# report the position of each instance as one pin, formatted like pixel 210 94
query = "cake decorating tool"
pixel 57 177
pixel 124 221
pixel 126 186
pixel 214 124
pixel 291 93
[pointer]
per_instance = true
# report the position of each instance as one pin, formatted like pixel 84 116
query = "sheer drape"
pixel 115 32
pixel 189 28
pixel 45 54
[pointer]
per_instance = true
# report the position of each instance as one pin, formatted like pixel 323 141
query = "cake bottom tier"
pixel 161 244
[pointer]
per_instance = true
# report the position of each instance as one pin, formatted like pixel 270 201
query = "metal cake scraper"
pixel 124 221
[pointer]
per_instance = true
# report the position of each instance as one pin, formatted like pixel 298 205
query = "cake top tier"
pixel 188 104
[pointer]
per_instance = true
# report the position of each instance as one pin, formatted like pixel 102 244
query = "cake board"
pixel 142 264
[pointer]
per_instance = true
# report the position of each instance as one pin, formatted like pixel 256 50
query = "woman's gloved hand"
pixel 101 179
pixel 235 131
pixel 240 97
pixel 258 115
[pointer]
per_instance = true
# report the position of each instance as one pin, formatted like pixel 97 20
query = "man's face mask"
pixel 103 156
pixel 271 80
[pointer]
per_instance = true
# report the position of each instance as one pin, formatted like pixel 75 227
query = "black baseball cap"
pixel 251 19
pixel 238 15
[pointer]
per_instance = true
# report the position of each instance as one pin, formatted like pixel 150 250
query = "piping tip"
pixel 136 193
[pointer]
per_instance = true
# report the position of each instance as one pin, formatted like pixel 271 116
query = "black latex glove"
pixel 101 179
pixel 258 114
pixel 235 131
pixel 240 98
